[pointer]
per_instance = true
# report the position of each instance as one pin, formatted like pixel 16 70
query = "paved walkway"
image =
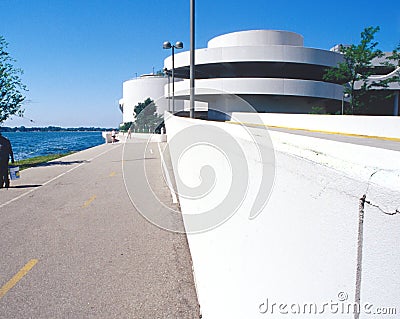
pixel 73 244
pixel 359 140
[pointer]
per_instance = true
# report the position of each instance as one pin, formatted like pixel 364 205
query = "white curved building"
pixel 271 70
pixel 137 90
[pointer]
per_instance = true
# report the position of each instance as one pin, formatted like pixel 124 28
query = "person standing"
pixel 129 133
pixel 5 154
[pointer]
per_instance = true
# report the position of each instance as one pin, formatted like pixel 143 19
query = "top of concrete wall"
pixel 257 38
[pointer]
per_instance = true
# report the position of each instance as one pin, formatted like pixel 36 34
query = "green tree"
pixel 11 87
pixel 394 59
pixel 317 110
pixel 147 119
pixel 393 62
pixel 357 66
pixel 124 127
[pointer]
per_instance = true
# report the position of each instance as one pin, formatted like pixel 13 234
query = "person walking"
pixel 129 133
pixel 5 154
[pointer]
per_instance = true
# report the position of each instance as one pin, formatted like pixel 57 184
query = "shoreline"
pixel 28 145
pixel 41 160
pixel 20 129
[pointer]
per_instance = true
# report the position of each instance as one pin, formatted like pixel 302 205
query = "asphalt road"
pixel 73 245
pixel 359 140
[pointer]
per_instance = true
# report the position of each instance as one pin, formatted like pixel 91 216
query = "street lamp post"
pixel 177 45
pixel 192 57
pixel 346 95
pixel 168 73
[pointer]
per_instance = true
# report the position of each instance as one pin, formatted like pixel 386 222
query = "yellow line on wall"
pixel 317 131
pixel 89 201
pixel 14 280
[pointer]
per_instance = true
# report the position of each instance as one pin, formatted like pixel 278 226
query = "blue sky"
pixel 76 53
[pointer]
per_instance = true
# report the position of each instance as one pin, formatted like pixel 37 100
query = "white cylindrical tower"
pixel 137 90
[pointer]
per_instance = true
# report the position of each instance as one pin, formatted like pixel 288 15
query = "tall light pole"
pixel 345 95
pixel 177 45
pixel 396 104
pixel 192 62
pixel 168 73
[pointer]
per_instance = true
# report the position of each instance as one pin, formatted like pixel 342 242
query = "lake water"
pixel 31 144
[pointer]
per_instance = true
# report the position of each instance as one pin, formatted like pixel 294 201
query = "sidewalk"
pixel 97 257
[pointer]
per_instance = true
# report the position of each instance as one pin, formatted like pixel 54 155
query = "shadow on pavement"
pixel 25 186
pixel 55 163
pixel 63 163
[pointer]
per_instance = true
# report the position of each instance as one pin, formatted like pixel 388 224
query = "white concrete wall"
pixel 383 126
pixel 303 247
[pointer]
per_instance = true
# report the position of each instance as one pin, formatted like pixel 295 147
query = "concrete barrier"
pixel 380 126
pixel 302 253
pixel 366 164
pixel 107 137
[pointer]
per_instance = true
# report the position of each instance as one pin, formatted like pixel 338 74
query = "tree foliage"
pixel 124 127
pixel 357 67
pixel 11 87
pixel 147 119
pixel 392 61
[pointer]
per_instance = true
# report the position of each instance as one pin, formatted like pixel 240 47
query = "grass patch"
pixel 38 160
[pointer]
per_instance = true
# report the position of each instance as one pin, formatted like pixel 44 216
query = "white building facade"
pixel 257 70
pixel 271 70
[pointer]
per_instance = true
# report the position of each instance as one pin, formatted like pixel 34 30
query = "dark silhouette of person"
pixel 5 154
